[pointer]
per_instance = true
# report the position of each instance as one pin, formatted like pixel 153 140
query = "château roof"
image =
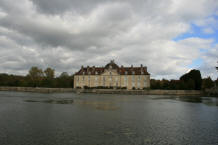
pixel 112 65
pixel 142 70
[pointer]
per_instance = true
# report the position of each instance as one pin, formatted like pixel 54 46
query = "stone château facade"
pixel 112 76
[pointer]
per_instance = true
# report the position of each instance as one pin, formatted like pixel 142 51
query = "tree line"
pixel 37 77
pixel 189 81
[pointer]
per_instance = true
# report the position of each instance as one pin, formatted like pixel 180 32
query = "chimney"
pixel 87 68
pixel 142 72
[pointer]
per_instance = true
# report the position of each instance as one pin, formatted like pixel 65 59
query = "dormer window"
pixel 110 67
pixel 125 72
pixel 96 72
pixel 83 73
pixel 89 72
pixel 142 72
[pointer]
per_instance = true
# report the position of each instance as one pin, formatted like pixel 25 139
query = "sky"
pixel 170 37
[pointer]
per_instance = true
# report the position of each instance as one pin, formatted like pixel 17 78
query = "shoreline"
pixel 104 91
pixel 37 89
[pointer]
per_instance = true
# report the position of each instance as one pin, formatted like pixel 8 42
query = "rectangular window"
pixel 139 78
pixel 138 84
pixel 96 80
pixel 145 81
pixel 133 84
pixel 110 78
pixel 133 78
pixel 103 81
pixel 125 81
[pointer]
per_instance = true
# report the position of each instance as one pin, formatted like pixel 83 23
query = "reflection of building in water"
pixel 112 76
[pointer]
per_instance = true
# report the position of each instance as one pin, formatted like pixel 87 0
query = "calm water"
pixel 91 119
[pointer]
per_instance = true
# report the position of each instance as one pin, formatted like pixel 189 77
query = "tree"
pixel 48 80
pixel 64 75
pixel 35 75
pixel 64 80
pixel 49 73
pixel 207 83
pixel 195 75
pixel 155 84
pixel 217 67
pixel 191 84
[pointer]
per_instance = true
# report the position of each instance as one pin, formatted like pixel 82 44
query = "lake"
pixel 97 119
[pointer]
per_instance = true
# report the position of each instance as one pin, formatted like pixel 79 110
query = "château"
pixel 112 76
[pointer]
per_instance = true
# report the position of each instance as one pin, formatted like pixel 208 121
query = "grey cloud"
pixel 47 33
pixel 67 34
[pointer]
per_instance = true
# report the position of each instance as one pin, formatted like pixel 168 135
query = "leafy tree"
pixel 195 75
pixel 216 82
pixel 155 84
pixel 64 80
pixel 49 73
pixel 207 83
pixel 165 84
pixel 35 76
pixel 190 84
pixel 64 75
pixel 48 80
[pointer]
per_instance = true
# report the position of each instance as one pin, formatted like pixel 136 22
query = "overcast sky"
pixel 170 37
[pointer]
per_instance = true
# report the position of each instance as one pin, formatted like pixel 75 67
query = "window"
pixel 96 80
pixel 126 73
pixel 139 78
pixel 83 73
pixel 125 80
pixel 133 84
pixel 103 81
pixel 133 72
pixel 138 84
pixel 133 78
pixel 110 78
pixel 145 81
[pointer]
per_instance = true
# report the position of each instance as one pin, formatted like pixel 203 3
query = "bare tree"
pixel 217 67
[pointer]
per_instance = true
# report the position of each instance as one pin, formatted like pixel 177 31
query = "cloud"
pixel 208 30
pixel 210 62
pixel 70 33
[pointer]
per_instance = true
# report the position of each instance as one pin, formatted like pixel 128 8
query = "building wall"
pixel 112 79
